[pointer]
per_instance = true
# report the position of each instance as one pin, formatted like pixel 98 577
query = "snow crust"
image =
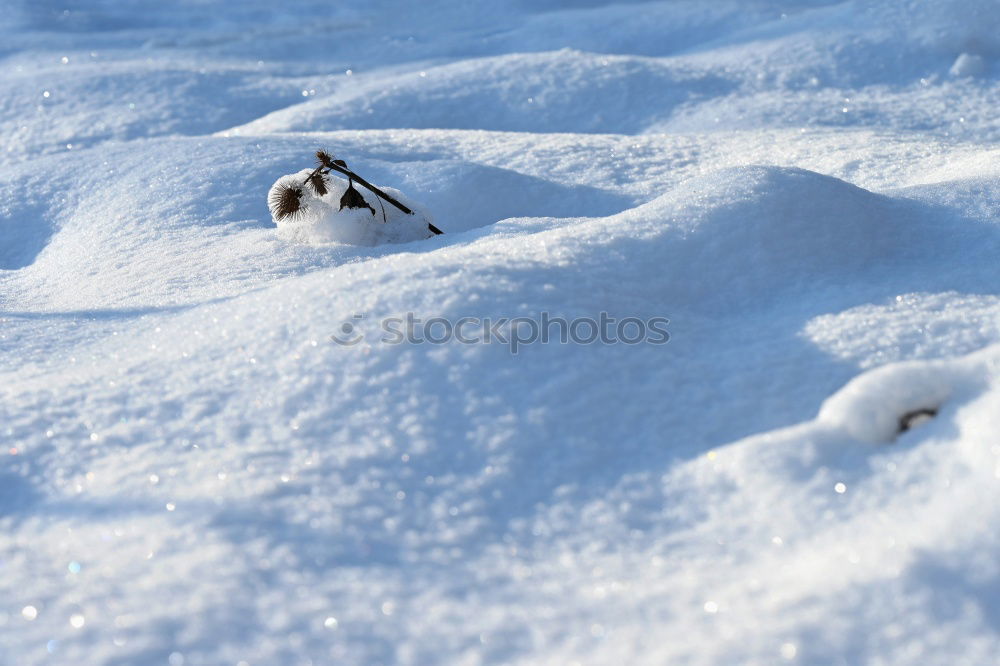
pixel 192 470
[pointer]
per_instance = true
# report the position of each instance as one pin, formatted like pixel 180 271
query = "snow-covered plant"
pixel 319 205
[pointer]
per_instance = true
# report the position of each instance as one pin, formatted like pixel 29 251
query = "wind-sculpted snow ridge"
pixel 791 71
pixel 212 236
pixel 356 485
pixel 543 92
pixel 95 98
pixel 222 445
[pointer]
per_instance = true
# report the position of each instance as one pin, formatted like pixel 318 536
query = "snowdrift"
pixel 195 472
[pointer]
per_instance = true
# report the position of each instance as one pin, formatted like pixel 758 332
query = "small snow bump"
pixel 968 65
pixel 880 404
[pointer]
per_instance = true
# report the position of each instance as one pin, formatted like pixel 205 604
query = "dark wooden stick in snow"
pixel 339 166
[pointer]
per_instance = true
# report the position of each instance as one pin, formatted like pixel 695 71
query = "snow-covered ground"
pixel 194 472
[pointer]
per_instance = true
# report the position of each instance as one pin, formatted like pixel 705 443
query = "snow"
pixel 194 471
pixel 968 65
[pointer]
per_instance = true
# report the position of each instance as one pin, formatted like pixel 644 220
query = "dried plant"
pixel 318 182
pixel 353 199
pixel 285 201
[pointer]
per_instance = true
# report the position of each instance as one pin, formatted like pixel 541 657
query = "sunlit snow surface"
pixel 194 473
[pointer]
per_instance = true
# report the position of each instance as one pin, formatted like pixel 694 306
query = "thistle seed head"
pixel 318 183
pixel 324 158
pixel 285 201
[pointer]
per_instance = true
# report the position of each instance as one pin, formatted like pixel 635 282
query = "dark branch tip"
pixel 325 159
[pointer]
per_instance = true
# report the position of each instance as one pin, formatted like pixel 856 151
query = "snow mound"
pixel 321 219
pixel 560 91
pixel 467 196
pixel 950 26
pixel 967 65
pixel 917 326
pixel 751 233
pixel 64 98
pixel 198 470
pixel 874 406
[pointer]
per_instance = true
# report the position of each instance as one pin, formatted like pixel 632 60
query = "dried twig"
pixel 327 162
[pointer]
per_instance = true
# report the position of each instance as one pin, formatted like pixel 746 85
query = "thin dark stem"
pixel 350 174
